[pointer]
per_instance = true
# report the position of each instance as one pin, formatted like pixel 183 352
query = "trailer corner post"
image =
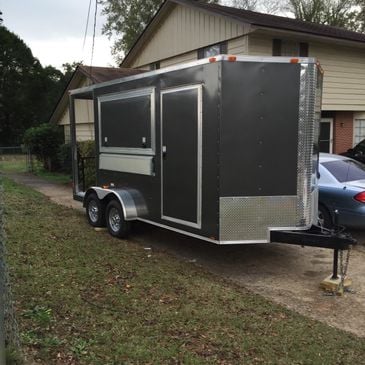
pixel 73 144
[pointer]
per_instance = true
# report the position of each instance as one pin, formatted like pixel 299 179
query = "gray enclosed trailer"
pixel 223 149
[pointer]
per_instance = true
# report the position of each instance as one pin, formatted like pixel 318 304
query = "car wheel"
pixel 115 221
pixel 95 211
pixel 324 217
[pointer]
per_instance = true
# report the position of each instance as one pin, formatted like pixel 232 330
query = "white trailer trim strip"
pixel 142 165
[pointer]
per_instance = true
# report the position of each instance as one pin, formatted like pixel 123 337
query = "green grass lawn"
pixel 57 177
pixel 83 297
pixel 13 163
pixel 18 164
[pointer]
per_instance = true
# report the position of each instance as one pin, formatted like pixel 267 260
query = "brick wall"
pixel 343 131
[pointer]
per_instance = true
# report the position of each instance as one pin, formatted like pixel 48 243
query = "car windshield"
pixel 345 170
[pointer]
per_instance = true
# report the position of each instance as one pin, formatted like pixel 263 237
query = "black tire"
pixel 117 225
pixel 324 217
pixel 95 211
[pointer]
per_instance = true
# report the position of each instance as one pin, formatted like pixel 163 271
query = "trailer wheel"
pixel 117 225
pixel 95 211
pixel 324 217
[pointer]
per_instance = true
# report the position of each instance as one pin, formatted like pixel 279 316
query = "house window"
pixel 359 130
pixel 214 50
pixel 289 48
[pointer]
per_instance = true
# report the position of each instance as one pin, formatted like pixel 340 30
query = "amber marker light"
pixel 294 60
pixel 105 186
pixel 212 59
pixel 231 58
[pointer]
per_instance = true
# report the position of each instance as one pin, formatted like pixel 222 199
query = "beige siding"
pixel 186 29
pixel 186 57
pixel 85 132
pixel 84 111
pixel 84 114
pixel 344 76
pixel 259 45
pixel 67 133
pixel 238 46
pixel 65 117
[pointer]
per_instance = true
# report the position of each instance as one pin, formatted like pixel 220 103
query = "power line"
pixel 94 31
pixel 87 26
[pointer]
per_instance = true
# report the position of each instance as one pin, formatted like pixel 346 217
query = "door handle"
pixel 164 150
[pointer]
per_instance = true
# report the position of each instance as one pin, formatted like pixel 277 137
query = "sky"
pixel 54 30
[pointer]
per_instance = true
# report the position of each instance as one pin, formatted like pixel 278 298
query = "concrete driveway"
pixel 288 275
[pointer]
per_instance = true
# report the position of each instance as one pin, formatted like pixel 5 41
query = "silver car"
pixel 342 188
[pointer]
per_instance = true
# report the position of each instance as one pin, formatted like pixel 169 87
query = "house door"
pixel 326 135
pixel 181 139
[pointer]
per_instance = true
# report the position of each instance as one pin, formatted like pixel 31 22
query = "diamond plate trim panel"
pixel 248 218
pixel 309 104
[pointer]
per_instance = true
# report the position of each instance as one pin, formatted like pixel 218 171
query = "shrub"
pixel 86 148
pixel 44 142
pixel 64 156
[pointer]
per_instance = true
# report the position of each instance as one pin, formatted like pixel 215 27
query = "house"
pixel 84 76
pixel 186 30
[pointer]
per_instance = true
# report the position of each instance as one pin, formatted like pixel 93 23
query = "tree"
pixel 244 4
pixel 18 68
pixel 126 20
pixel 69 69
pixel 265 6
pixel 28 92
pixel 347 14
pixel 44 141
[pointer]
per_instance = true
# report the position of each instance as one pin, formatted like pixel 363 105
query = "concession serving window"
pixel 127 122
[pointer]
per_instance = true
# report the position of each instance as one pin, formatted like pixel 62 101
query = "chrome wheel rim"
pixel 93 211
pixel 114 219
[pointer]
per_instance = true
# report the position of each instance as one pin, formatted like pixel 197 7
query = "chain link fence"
pixel 10 349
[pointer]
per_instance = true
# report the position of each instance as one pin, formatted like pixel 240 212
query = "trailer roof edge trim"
pixel 271 59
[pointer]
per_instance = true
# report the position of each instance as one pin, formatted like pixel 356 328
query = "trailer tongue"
pixel 223 149
pixel 315 237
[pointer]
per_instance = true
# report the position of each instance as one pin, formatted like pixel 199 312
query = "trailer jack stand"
pixel 339 242
pixel 336 283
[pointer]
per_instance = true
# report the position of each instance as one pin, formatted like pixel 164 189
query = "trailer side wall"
pixel 182 156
